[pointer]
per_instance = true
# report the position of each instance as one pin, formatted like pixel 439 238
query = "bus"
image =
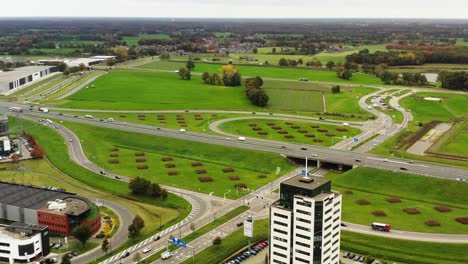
pixel 381 227
pixel 16 109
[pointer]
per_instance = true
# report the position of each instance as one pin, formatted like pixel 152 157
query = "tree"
pixel 217 241
pixel 121 52
pixel 110 62
pixel 206 77
pixel 283 62
pixel 330 65
pixel 138 222
pixel 164 56
pixel 82 233
pixel 139 185
pixel 273 50
pixel 230 75
pixel 155 190
pixel 82 67
pixel 105 246
pixel 133 231
pixel 300 61
pixel 336 89
pixel 190 65
pixel 182 72
pixel 259 98
pixel 255 50
pixel 346 75
pixel 61 66
pixel 164 194
pixel 66 259
pixel 192 227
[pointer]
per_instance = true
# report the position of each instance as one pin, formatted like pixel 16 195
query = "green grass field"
pixel 59 51
pixel 134 40
pixel 458 142
pixel 269 72
pixel 295 100
pixel 452 105
pixel 376 186
pixel 246 128
pixel 98 143
pixel 347 101
pixel 404 251
pixel 156 90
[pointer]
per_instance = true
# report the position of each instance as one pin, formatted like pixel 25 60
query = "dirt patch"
pixel 170 165
pixel 322 130
pixel 240 185
pixel 432 223
pixel 362 202
pixel 462 220
pixel 256 128
pixel 197 164
pixel 172 173
pixel 142 167
pixel 113 161
pixel 379 213
pixel 261 176
pixel 289 123
pixel 234 178
pixel 252 125
pixel 228 170
pixel 309 135
pixel 349 192
pixel 201 171
pixel 295 127
pixel 166 159
pixel 289 136
pixel 282 132
pixel 270 124
pixel 302 131
pixel 205 179
pixel 263 133
pixel 113 155
pixel 412 211
pixel 341 129
pixel 276 128
pixel 140 160
pixel 393 200
pixel 318 140
pixel 442 208
pixel 330 135
pixel 314 126
pixel 114 149
pixel 139 154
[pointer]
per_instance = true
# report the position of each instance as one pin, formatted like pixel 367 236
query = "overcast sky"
pixel 238 8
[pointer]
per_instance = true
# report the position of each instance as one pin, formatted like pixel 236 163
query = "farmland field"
pixel 134 150
pixel 156 90
pixel 289 131
pixel 377 186
pixel 269 72
pixel 295 100
pixel 134 39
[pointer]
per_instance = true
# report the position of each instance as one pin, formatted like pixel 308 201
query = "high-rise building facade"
pixel 305 223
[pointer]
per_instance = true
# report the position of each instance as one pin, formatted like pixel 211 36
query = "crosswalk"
pixel 193 214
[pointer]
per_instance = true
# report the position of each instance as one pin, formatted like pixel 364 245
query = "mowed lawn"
pixel 458 142
pixel 123 152
pixel 295 100
pixel 269 72
pixel 452 105
pixel 289 131
pixel 376 186
pixel 347 101
pixel 131 90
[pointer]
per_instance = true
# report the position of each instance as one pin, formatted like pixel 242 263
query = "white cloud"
pixel 239 8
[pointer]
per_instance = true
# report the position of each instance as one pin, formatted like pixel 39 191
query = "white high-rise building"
pixel 305 223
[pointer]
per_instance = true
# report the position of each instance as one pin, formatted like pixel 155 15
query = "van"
pixel 166 255
pixel 88 116
pixel 241 138
pixel 345 124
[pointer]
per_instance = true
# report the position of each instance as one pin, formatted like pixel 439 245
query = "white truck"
pixel 241 138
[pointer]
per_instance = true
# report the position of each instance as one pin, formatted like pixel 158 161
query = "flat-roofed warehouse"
pixel 18 78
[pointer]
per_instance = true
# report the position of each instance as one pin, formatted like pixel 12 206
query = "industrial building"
pixel 18 78
pixel 305 223
pixel 4 125
pixel 60 211
pixel 23 242
pixel 87 62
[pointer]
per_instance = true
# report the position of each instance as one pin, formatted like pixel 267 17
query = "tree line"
pixel 140 186
pixel 454 80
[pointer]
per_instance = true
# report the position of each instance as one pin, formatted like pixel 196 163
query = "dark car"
pixel 321 118
pixel 240 224
pixel 157 238
pixel 344 224
pixel 403 168
pixel 126 254
pixel 303 148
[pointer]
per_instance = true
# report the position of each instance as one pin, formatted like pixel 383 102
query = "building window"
pixel 280 239
pixel 280 223
pixel 302 244
pixel 337 203
pixel 302 236
pixel 304 204
pixel 280 247
pixel 301 260
pixel 302 252
pixel 279 254
pixel 4 244
pixel 303 212
pixel 329 210
pixel 280 231
pixel 279 262
pixel 280 215
pixel 303 228
pixel 303 220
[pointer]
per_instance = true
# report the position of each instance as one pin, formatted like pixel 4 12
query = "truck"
pixel 16 109
pixel 43 109
pixel 381 227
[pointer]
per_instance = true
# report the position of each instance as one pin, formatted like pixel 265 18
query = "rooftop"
pixel 18 73
pixel 20 230
pixel 29 197
pixel 311 183
pixel 74 206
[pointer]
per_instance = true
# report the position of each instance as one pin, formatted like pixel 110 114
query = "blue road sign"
pixel 304 172
pixel 184 244
pixel 356 139
pixel 175 241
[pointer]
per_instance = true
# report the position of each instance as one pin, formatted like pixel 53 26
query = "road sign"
pixel 184 244
pixel 248 227
pixel 175 241
pixel 356 139
pixel 304 172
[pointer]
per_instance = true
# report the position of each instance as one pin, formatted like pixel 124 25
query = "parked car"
pixel 361 259
pixel 356 257
pixel 126 254
pixel 58 245
pixel 346 254
pixel 166 255
pixel 146 249
pixel 240 224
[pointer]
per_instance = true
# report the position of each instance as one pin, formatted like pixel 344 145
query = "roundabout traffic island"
pixel 393 200
pixel 225 170
pixel 234 178
pixel 379 213
pixel 142 167
pixel 263 133
pixel 309 135
pixel 205 179
pixel 362 202
pixel 412 211
pixel 169 165
pixel 197 164
pixel 432 223
pixel 172 173
pixel 442 208
pixel 462 220
pixel 140 160
pixel 166 159
pixel 113 161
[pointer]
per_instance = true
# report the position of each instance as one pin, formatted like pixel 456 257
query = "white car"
pixel 110 119
pixel 182 130
pixel 166 255
pixel 345 124
pixel 241 138
pixel 88 116
pixel 146 249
